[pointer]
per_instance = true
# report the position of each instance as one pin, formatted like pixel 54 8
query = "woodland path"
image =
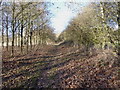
pixel 60 67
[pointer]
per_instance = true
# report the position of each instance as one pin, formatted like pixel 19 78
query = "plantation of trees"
pixel 85 55
pixel 25 25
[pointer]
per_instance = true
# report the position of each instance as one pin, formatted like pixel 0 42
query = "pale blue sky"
pixel 62 14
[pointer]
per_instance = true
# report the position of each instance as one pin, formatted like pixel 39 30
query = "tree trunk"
pixel 27 36
pixel 31 35
pixel 13 27
pixel 102 7
pixel 22 32
pixel 2 33
pixel 22 36
pixel 13 42
pixel 7 33
pixel 19 36
pixel 118 20
pixel 34 38
pixel 102 12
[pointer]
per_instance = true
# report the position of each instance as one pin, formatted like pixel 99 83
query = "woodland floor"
pixel 61 67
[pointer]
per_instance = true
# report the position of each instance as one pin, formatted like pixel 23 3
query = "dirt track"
pixel 61 67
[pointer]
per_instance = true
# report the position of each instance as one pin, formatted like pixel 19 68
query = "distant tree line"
pixel 25 25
